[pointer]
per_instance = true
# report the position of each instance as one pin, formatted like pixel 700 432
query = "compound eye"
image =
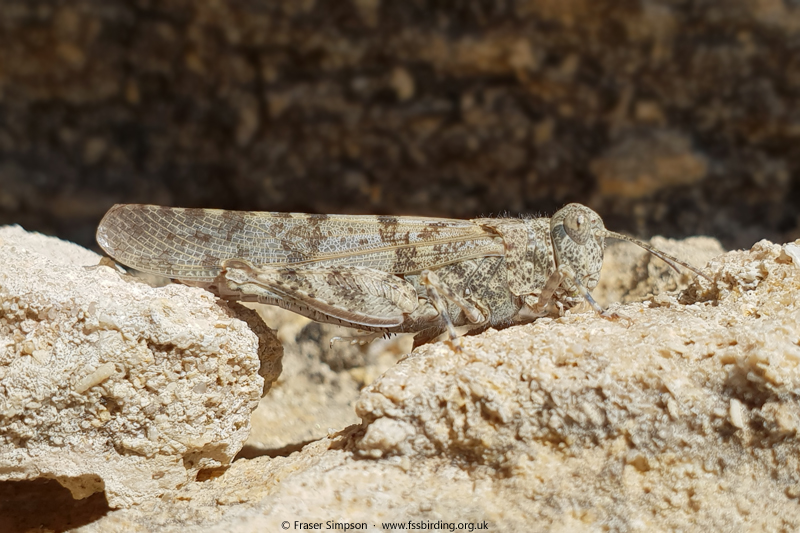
pixel 577 227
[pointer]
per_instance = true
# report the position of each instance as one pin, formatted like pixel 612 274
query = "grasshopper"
pixel 380 274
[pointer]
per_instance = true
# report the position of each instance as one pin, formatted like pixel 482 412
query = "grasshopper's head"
pixel 578 236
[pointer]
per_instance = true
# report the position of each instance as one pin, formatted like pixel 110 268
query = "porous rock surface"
pixel 683 418
pixel 108 384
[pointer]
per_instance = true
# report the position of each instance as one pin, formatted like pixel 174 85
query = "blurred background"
pixel 668 117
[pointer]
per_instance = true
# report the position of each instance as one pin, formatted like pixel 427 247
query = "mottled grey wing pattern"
pixel 190 244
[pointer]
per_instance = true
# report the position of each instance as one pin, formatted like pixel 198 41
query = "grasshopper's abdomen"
pixel 482 282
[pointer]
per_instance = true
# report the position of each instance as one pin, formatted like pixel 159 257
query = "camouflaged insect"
pixel 382 274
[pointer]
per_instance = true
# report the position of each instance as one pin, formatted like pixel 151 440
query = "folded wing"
pixel 191 244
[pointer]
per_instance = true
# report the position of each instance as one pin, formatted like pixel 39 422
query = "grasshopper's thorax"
pixel 539 256
pixel 575 231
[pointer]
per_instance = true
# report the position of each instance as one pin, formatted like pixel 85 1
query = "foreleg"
pixel 552 284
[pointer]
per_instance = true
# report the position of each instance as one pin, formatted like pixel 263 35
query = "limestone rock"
pixel 108 384
pixel 686 419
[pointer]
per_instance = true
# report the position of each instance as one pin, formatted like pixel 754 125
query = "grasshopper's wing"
pixel 191 244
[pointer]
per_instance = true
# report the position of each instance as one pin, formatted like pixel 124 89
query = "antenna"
pixel 668 259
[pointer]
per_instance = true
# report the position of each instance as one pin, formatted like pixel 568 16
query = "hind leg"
pixel 438 292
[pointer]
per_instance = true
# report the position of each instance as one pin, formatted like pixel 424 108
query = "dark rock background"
pixel 666 116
